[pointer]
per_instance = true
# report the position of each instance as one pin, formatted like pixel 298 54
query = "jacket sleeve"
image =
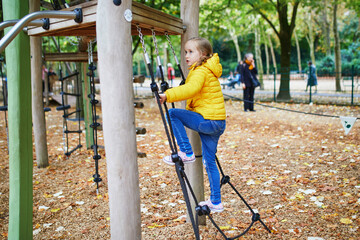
pixel 192 86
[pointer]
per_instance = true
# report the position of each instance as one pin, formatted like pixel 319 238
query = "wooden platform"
pixel 145 16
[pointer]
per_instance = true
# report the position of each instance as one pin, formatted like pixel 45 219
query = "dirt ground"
pixel 299 171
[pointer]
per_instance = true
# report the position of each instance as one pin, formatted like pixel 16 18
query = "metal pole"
pixel 30 17
pixel 274 85
pixel 352 85
pixel 9 23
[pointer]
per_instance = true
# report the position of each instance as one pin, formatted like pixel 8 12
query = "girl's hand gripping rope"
pixel 162 97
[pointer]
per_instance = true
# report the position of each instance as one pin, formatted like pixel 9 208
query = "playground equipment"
pixel 113 25
pixel 66 115
pixel 179 165
pixel 94 125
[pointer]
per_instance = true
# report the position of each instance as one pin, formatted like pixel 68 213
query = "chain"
pixel 141 36
pixel 155 42
pixel 90 52
pixel 171 46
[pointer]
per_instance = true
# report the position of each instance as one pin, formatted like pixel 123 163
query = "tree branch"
pixel 265 17
pixel 293 17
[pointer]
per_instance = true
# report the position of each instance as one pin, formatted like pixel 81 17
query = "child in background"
pixel 205 112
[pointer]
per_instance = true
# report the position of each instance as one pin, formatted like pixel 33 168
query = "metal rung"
pixel 76 131
pixel 63 107
pixel 70 94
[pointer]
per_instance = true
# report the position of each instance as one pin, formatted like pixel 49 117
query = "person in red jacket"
pixel 204 113
pixel 171 73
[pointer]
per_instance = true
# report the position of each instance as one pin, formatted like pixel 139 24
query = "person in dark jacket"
pixel 248 72
pixel 312 79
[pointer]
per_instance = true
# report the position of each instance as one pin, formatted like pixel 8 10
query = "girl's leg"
pixel 210 132
pixel 209 146
pixel 179 119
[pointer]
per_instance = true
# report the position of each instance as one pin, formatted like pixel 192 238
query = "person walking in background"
pixel 312 79
pixel 248 78
pixel 171 73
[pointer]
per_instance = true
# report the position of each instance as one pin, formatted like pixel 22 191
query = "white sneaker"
pixel 182 155
pixel 213 208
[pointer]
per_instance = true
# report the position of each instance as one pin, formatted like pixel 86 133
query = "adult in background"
pixel 171 73
pixel 312 79
pixel 248 77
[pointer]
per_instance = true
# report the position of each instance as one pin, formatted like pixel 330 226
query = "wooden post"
pixel 38 114
pixel 20 137
pixel 117 99
pixel 87 106
pixel 190 16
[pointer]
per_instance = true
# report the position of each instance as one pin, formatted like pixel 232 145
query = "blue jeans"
pixel 210 132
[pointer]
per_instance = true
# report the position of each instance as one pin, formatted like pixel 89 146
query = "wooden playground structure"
pixel 112 23
pixel 113 26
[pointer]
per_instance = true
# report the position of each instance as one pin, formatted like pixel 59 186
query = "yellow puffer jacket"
pixel 202 90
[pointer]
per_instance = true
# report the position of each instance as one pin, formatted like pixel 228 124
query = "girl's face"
pixel 192 54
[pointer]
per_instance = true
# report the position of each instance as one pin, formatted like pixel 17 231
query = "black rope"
pixel 66 115
pixel 94 125
pixel 284 109
pixel 179 167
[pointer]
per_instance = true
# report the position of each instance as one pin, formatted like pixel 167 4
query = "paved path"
pixel 326 88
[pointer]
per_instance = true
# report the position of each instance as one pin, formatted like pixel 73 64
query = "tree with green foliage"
pixel 284 33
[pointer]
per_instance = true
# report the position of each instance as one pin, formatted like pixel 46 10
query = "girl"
pixel 205 112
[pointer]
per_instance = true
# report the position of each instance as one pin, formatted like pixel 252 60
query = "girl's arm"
pixel 192 86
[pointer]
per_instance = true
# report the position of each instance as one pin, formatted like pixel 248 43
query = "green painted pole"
pixel 89 133
pixel 20 127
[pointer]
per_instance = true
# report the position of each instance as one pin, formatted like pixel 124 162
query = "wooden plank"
pixel 68 57
pixel 146 17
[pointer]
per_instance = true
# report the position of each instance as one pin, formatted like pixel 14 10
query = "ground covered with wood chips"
pixel 299 171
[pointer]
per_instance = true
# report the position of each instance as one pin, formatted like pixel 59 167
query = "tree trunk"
pixel 190 16
pixel 337 49
pixel 38 114
pixel 258 56
pixel 117 102
pixel 272 54
pixel 326 28
pixel 267 58
pixel 310 37
pixel 20 129
pixel 234 38
pixel 285 42
pixel 298 52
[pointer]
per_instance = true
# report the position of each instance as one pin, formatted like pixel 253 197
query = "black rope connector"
pixel 255 217
pixel 97 178
pixel 164 86
pixel 46 23
pixel 95 125
pixel 202 210
pixel 154 87
pixel 97 157
pixel 79 15
pixel 225 180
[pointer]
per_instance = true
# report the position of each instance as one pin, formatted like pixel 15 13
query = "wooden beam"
pixel 68 57
pixel 146 17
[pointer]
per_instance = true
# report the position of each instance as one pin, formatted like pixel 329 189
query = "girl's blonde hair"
pixel 204 47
